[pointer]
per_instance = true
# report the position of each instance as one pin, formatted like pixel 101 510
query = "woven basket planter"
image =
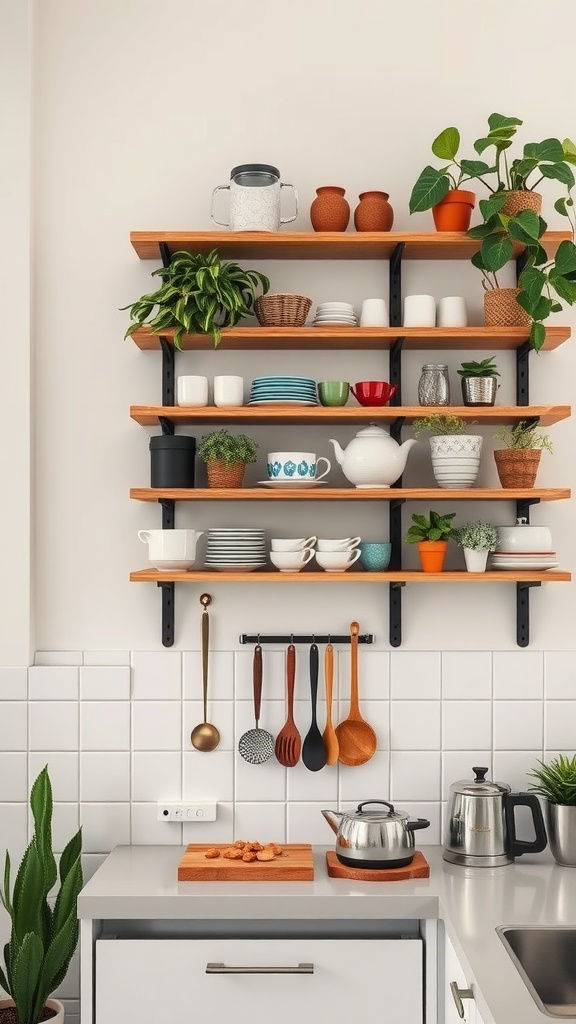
pixel 522 200
pixel 502 310
pixel 221 475
pixel 517 467
pixel 282 310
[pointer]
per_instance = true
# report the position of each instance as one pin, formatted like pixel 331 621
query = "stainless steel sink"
pixel 546 961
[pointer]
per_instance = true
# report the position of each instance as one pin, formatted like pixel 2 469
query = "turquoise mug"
pixel 375 555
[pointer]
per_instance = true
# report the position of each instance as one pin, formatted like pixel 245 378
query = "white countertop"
pixel 139 882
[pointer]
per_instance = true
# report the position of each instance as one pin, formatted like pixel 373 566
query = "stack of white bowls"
pixel 456 459
pixel 524 547
pixel 235 550
pixel 337 555
pixel 291 554
pixel 339 314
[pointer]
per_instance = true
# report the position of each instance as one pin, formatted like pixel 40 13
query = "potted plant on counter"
pixel 556 783
pixel 479 381
pixel 199 295
pixel 517 463
pixel 440 189
pixel 44 934
pixel 455 454
pixel 431 535
pixel 477 540
pixel 226 457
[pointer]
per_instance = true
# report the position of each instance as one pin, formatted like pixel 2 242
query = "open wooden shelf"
pixel 349 494
pixel 273 576
pixel 149 415
pixel 462 339
pixel 321 245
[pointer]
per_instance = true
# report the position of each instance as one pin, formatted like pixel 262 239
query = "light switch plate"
pixel 170 811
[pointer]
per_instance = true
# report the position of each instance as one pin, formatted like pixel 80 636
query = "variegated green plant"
pixel 44 934
pixel 556 781
pixel 199 295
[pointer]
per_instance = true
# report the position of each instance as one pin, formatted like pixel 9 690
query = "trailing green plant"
pixel 436 527
pixel 485 368
pixel 439 425
pixel 556 781
pixel 522 436
pixel 199 295
pixel 547 159
pixel 477 536
pixel 43 934
pixel 435 183
pixel 220 446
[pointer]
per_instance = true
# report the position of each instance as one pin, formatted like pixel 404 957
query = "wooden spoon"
pixel 314 748
pixel 329 734
pixel 288 742
pixel 356 739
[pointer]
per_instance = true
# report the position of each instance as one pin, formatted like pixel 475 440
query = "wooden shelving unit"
pixel 242 494
pixel 269 576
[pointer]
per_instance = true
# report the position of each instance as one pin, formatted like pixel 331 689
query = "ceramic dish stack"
pixel 525 560
pixel 235 550
pixel 283 391
pixel 335 314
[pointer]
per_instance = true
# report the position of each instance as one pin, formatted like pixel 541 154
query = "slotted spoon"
pixel 288 742
pixel 256 745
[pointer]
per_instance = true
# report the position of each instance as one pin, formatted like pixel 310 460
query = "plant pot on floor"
pixel 55 1016
pixel 222 475
pixel 561 827
pixel 475 560
pixel 456 459
pixel 520 200
pixel 454 212
pixel 432 554
pixel 517 467
pixel 502 310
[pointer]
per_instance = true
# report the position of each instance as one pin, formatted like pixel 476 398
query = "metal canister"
pixel 434 385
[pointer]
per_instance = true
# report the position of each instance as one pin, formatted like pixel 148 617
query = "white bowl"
pixel 344 544
pixel 337 561
pixel 523 537
pixel 167 565
pixel 291 561
pixel 285 544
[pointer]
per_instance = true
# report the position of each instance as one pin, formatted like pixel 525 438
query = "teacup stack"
pixel 291 555
pixel 337 555
pixel 335 313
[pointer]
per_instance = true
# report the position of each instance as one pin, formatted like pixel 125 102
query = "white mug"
pixel 419 311
pixel 295 466
pixel 170 549
pixel 192 391
pixel 374 313
pixel 285 544
pixel 228 390
pixel 337 561
pixel 291 561
pixel 345 544
pixel 452 311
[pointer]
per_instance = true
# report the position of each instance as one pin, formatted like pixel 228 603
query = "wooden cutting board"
pixel 419 868
pixel 295 864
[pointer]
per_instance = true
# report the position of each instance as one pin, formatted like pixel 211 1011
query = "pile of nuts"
pixel 248 852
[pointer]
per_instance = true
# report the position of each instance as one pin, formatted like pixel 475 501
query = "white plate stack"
pixel 235 549
pixel 525 560
pixel 335 314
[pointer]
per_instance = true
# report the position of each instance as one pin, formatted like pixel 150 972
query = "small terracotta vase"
pixel 330 211
pixel 454 212
pixel 373 212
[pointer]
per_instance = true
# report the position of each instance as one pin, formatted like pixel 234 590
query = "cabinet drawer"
pixel 165 979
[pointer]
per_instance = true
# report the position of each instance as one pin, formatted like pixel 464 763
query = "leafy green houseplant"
pixel 455 453
pixel 479 381
pixel 517 463
pixel 555 782
pixel 199 295
pixel 226 456
pixel 440 189
pixel 477 540
pixel 431 535
pixel 44 934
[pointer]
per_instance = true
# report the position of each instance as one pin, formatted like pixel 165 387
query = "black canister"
pixel 172 460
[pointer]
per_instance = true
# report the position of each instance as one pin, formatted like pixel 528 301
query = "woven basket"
pixel 517 467
pixel 282 310
pixel 502 310
pixel 221 475
pixel 522 200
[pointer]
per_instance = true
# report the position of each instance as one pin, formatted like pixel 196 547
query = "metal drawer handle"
pixel 224 969
pixel 458 994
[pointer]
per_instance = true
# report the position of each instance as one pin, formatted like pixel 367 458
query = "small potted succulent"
pixel 455 453
pixel 556 783
pixel 477 540
pixel 432 536
pixel 226 457
pixel 479 381
pixel 517 463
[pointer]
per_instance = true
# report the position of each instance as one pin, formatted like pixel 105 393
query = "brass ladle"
pixel 205 737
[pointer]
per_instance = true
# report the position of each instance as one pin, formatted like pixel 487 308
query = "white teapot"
pixel 373 458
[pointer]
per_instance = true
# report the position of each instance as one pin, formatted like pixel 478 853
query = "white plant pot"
pixel 456 459
pixel 475 560
pixel 54 1004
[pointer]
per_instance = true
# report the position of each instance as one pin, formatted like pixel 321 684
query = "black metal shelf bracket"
pixel 168 513
pixel 395 370
pixel 395 520
pixel 523 374
pixel 395 613
pixel 395 296
pixel 165 255
pixel 168 375
pixel 166 424
pixel 523 507
pixel 304 638
pixel 523 612
pixel 167 613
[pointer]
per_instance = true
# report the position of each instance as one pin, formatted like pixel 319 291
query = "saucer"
pixel 285 484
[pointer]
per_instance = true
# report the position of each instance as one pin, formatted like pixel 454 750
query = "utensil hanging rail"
pixel 303 638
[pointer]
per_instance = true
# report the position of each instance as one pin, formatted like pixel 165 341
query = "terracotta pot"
pixel 432 554
pixel 373 212
pixel 502 310
pixel 453 213
pixel 522 200
pixel 330 211
pixel 517 467
pixel 221 475
pixel 55 1016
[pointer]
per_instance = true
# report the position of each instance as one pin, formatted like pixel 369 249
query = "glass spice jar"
pixel 434 385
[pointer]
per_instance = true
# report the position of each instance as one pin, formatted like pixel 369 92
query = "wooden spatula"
pixel 288 743
pixel 356 739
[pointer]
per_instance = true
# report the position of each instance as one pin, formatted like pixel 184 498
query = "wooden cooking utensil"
pixel 288 742
pixel 256 745
pixel 205 737
pixel 356 739
pixel 329 734
pixel 314 748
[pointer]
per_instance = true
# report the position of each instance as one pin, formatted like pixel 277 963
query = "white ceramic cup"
pixel 170 549
pixel 285 544
pixel 291 561
pixel 374 313
pixel 192 391
pixel 295 466
pixel 337 561
pixel 452 311
pixel 345 544
pixel 419 311
pixel 228 390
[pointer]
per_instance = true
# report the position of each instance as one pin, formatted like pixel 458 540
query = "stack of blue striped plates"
pixel 283 391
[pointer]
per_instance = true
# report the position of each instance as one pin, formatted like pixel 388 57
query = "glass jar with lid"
pixel 434 385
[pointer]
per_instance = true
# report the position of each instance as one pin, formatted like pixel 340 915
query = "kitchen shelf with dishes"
pixel 394 247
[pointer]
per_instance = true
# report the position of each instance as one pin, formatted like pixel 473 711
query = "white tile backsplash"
pixel 209 776
pixel 220 675
pixel 105 682
pixel 146 829
pixel 306 824
pixel 13 684
pixel 105 725
pixel 156 775
pixel 415 775
pixel 156 725
pixel 219 831
pixel 366 780
pixel 560 731
pixel 56 682
pixel 512 766
pixel 262 822
pixel 107 658
pixel 306 785
pixel 415 675
pixel 467 675
pixel 220 713
pixel 415 725
pixel 64 771
pixel 14 727
pixel 458 764
pixel 258 782
pixel 104 775
pixel 13 777
pixel 518 675
pixel 373 671
pixel 559 675
pixel 54 726
pixel 156 674
pixel 518 725
pixel 466 724
pixel 104 826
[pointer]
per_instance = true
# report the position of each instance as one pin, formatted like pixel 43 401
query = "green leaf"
pixel 525 227
pixel 537 336
pixel 477 261
pixel 4 982
pixel 434 534
pixel 25 973
pixel 488 207
pixel 497 251
pixel 475 167
pixel 483 230
pixel 446 145
pixel 430 189
pixel 532 282
pixel 560 207
pixel 563 287
pixel 549 149
pixel 569 150
pixel 560 172
pixel 496 121
pixel 502 134
pixel 482 144
pixel 565 261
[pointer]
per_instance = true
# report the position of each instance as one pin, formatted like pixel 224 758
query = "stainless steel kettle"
pixel 481 826
pixel 374 839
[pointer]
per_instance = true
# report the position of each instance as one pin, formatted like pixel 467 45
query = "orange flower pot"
pixel 454 212
pixel 432 554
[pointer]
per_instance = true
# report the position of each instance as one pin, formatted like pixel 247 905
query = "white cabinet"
pixel 454 972
pixel 151 979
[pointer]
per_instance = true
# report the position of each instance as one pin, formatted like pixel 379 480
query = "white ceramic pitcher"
pixel 255 191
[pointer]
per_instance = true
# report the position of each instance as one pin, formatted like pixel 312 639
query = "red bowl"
pixel 373 392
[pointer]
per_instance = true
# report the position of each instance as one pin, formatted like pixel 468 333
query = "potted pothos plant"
pixel 477 540
pixel 44 924
pixel 517 463
pixel 226 456
pixel 440 189
pixel 555 782
pixel 455 452
pixel 479 381
pixel 199 295
pixel 431 534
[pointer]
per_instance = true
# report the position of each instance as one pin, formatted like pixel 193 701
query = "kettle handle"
pixel 518 846
pixel 366 802
pixel 417 823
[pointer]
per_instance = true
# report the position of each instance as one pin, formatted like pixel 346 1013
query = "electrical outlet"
pixel 171 811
